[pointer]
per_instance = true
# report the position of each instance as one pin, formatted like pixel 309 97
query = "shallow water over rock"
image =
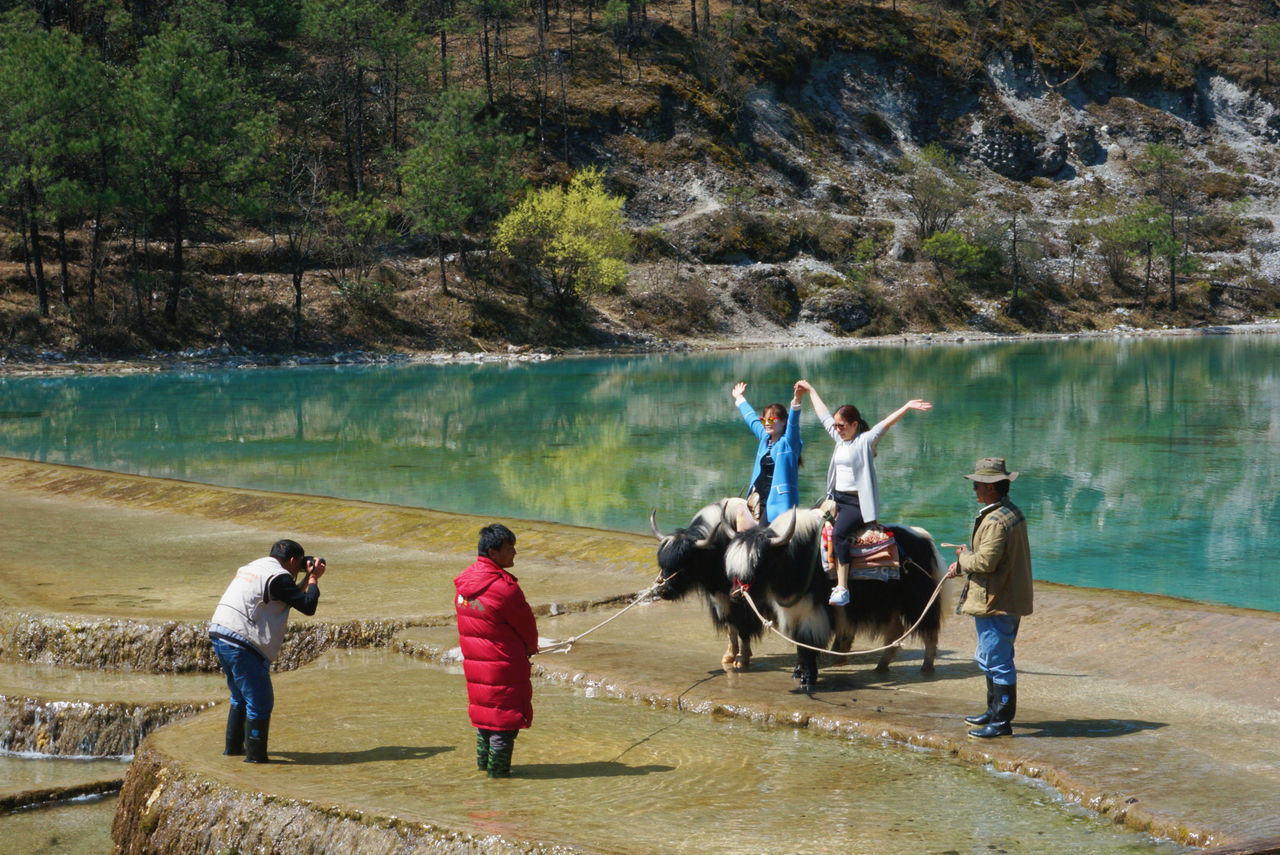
pixel 29 773
pixel 57 805
pixel 1159 714
pixel 77 828
pixel 614 776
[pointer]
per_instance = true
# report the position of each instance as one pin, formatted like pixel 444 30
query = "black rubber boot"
pixel 235 731
pixel 482 752
pixel 985 717
pixel 500 761
pixel 255 740
pixel 1006 707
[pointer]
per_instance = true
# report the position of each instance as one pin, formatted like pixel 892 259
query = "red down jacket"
pixel 498 634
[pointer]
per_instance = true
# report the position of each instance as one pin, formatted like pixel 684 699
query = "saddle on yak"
pixel 873 554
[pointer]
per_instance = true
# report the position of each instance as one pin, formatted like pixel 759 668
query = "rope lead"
pixel 897 643
pixel 567 645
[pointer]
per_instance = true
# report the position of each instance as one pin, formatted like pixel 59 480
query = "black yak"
pixel 692 559
pixel 780 567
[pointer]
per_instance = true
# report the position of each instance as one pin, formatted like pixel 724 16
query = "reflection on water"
pixel 1146 464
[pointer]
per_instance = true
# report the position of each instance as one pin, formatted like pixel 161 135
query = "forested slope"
pixel 328 174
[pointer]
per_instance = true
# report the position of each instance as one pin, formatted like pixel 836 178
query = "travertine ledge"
pixel 82 728
pixel 168 647
pixel 165 809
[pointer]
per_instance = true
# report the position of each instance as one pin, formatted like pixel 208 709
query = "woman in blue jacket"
pixel 775 477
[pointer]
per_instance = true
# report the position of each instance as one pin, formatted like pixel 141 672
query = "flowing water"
pixel 1146 464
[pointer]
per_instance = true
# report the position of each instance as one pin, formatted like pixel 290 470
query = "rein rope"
pixel 897 642
pixel 567 645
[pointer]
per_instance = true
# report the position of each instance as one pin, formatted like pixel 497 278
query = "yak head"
pixel 693 557
pixel 772 552
pixel 743 555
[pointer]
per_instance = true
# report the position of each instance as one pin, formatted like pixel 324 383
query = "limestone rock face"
pixel 841 308
pixel 1016 152
pixel 767 290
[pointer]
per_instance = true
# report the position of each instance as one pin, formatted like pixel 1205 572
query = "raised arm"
pixel 803 386
pixel 913 404
pixel 749 415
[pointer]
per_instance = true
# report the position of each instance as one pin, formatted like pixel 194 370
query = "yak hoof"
pixel 882 667
pixel 742 663
pixel 926 667
pixel 728 661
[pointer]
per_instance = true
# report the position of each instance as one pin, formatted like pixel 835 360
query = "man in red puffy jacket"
pixel 498 634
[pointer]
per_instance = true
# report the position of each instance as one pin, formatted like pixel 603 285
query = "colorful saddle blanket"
pixel 873 555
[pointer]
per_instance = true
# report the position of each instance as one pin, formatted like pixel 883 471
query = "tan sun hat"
pixel 989 470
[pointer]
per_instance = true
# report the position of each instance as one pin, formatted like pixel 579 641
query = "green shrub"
pixel 953 253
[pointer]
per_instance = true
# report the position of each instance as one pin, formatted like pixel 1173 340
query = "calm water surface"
pixel 1147 464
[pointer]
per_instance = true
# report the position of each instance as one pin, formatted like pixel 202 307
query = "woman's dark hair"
pixel 283 550
pixel 493 536
pixel 851 416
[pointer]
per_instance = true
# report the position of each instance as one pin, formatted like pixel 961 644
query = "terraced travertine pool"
pixel 641 741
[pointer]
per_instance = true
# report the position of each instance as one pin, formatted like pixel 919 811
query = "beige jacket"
pixel 998 570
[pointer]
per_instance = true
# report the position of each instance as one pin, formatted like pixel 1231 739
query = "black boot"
pixel 985 717
pixel 255 740
pixel 482 752
pixel 235 731
pixel 1006 707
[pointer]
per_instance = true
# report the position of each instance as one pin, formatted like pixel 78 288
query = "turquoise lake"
pixel 1147 464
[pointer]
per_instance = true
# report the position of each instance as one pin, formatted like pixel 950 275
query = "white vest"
pixel 243 610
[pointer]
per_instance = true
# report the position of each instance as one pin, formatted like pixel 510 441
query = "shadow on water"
pixel 1086 727
pixel 594 769
pixel 382 754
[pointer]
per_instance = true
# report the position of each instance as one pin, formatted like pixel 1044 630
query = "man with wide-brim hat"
pixel 997 591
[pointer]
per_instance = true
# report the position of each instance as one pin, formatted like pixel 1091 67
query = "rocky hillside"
pixel 812 223
pixel 809 170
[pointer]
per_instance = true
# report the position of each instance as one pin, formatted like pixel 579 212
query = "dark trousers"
pixel 499 739
pixel 848 522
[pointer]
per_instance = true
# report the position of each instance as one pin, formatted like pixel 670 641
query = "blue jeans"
pixel 994 653
pixel 248 678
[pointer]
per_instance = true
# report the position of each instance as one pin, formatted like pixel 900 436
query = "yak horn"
pixel 784 539
pixel 653 524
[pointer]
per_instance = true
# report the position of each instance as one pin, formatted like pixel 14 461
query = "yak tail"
pixel 947 601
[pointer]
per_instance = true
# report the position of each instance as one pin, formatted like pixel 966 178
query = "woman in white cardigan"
pixel 851 476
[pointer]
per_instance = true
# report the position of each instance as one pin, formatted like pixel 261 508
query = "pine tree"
pixel 462 169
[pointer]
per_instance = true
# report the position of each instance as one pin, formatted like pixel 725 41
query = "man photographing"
pixel 247 629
